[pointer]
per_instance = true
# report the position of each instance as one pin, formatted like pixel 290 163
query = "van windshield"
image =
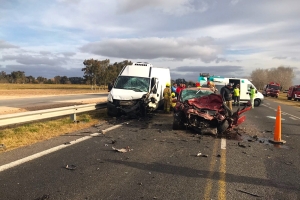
pixel 137 84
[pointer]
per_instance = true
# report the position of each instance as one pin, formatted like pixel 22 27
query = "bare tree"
pixel 282 75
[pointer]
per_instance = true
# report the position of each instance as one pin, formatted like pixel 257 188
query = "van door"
pixel 244 93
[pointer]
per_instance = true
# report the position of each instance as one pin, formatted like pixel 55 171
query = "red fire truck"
pixel 272 89
pixel 294 93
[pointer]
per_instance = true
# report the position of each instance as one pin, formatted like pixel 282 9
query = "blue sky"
pixel 229 37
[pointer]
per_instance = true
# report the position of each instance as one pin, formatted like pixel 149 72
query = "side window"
pixel 248 87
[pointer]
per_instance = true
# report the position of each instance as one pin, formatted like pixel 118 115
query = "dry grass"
pixel 30 90
pixel 11 86
pixel 32 133
pixel 283 99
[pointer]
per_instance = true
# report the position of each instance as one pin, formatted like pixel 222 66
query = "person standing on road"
pixel 178 89
pixel 236 95
pixel 226 93
pixel 252 96
pixel 167 98
pixel 174 86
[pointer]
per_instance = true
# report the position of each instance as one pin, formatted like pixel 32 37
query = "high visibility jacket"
pixel 252 93
pixel 236 92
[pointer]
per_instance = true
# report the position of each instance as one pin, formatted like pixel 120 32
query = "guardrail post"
pixel 73 116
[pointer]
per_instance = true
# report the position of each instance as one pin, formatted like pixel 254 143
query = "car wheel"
pixel 256 102
pixel 289 98
pixel 222 126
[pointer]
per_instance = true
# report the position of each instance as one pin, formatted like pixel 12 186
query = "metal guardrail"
pixel 17 118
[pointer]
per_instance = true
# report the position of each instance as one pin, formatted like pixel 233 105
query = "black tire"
pixel 222 127
pixel 257 102
pixel 289 98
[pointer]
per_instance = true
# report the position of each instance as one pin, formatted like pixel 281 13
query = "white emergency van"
pixel 245 85
pixel 138 89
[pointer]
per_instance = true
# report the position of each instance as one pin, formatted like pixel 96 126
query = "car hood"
pixel 211 102
pixel 122 94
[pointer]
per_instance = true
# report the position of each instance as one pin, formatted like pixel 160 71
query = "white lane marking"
pixel 273 117
pixel 293 118
pixel 48 151
pixel 223 143
pixel 283 113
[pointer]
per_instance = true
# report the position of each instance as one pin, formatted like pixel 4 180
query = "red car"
pixel 204 111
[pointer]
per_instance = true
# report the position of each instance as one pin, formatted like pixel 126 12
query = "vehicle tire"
pixel 257 102
pixel 289 98
pixel 222 127
pixel 177 122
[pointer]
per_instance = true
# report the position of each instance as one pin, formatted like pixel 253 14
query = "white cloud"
pixel 153 48
pixel 174 33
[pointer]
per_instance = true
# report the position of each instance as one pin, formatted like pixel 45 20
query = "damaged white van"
pixel 137 90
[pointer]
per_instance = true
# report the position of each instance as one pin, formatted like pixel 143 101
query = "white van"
pixel 138 89
pixel 245 85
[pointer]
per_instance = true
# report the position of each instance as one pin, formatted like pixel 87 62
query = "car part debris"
pixel 45 196
pixel 67 143
pixel 241 145
pixel 123 150
pixel 201 155
pixel 70 167
pixel 255 195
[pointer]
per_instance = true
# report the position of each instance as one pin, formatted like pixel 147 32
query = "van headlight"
pixel 110 98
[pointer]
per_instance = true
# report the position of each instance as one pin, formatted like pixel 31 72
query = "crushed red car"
pixel 204 111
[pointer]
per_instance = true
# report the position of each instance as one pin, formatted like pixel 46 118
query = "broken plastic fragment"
pixel 123 150
pixel 70 167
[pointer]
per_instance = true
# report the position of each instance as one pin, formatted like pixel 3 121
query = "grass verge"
pixel 27 134
pixel 283 99
pixel 11 86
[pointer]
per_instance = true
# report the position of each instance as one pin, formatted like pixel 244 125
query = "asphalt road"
pixel 37 103
pixel 162 163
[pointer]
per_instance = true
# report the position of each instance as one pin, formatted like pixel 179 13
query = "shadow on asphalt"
pixel 189 172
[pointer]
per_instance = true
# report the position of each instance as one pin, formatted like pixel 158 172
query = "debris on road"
pixel 201 155
pixel 45 196
pixel 113 141
pixel 241 145
pixel 255 195
pixel 70 167
pixel 67 143
pixel 123 150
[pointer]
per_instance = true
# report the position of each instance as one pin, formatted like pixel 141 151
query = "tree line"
pixel 101 72
pixel 282 75
pixel 95 73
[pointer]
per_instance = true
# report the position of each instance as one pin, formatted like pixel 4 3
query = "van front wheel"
pixel 257 102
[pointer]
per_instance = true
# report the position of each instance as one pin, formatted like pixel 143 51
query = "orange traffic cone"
pixel 277 129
